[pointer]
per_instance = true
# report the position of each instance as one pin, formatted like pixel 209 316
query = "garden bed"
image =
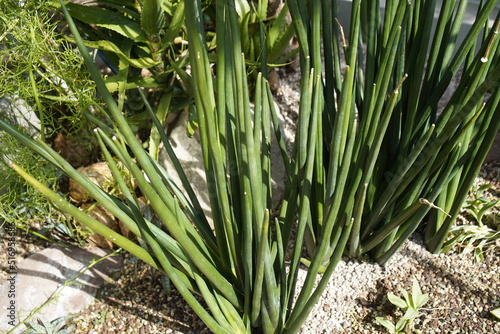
pixel 462 291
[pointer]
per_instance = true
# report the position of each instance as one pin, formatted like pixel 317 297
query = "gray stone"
pixel 39 276
pixel 18 112
pixel 188 152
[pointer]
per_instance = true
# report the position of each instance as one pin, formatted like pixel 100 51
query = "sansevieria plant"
pixel 373 157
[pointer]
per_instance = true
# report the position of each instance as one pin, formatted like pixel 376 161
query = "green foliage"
pixel 411 305
pixel 44 90
pixel 480 205
pixel 386 158
pixel 40 68
pixel 45 327
pixel 471 238
pixel 123 25
pixel 20 203
pixel 476 238
pixel 143 44
pixel 265 34
pixel 101 318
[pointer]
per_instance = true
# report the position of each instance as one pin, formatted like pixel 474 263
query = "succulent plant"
pixel 43 326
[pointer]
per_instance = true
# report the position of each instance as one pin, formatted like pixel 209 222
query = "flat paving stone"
pixel 38 277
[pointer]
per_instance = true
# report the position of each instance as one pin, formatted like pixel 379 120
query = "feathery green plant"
pixel 372 155
pixel 40 69
pixel 44 91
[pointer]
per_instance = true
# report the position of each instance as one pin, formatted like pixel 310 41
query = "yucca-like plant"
pixel 372 158
pixel 392 159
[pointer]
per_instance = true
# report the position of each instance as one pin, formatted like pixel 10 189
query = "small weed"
pixel 411 305
pixel 471 238
pixel 476 238
pixel 479 206
pixel 103 315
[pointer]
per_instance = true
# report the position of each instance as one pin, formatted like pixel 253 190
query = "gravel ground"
pixel 138 303
pixel 461 293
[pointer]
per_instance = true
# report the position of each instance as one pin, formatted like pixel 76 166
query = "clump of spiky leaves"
pixel 56 326
pixel 478 236
pixel 388 158
pixel 480 205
